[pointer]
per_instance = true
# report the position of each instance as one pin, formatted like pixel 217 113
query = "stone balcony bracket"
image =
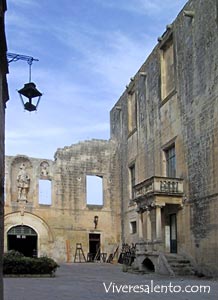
pixel 157 191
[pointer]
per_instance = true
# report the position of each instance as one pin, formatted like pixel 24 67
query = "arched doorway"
pixel 45 239
pixel 148 264
pixel 23 238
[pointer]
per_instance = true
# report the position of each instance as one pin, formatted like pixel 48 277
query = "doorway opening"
pixel 94 246
pixel 148 264
pixel 23 239
pixel 173 233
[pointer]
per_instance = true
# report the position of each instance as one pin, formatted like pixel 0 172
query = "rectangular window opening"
pixel 170 155
pixel 45 192
pixel 132 180
pixel 132 112
pixel 167 68
pixel 133 227
pixel 94 190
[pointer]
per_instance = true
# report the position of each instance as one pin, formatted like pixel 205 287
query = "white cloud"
pixel 143 7
pixel 43 142
pixel 24 3
pixel 121 61
pixel 113 56
pixel 32 133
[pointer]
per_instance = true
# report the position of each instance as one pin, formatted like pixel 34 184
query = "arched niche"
pixel 20 161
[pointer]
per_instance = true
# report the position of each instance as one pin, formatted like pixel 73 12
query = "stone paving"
pixel 91 281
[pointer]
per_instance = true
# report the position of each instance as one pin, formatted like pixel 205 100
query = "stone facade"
pixel 165 125
pixel 68 219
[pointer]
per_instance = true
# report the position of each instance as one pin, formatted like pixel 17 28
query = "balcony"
pixel 158 191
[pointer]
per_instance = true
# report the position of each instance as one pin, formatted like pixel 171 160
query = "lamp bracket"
pixel 15 57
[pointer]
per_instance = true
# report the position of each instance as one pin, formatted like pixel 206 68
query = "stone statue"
pixel 23 183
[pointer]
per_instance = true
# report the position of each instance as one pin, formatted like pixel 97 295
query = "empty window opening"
pixel 94 190
pixel 45 192
pixel 148 264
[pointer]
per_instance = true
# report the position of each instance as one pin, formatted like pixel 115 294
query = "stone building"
pixel 159 170
pixel 54 222
pixel 3 99
pixel 166 129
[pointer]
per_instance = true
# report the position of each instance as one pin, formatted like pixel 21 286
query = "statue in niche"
pixel 23 183
pixel 44 169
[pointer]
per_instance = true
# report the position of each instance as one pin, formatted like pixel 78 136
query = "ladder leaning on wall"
pixel 112 255
pixel 79 253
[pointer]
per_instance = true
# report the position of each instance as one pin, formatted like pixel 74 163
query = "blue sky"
pixel 87 51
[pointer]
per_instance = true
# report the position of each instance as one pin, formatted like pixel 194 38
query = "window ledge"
pixel 94 206
pixel 132 132
pixel 168 97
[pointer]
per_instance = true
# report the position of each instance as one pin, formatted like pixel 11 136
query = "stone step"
pixel 180 265
pixel 180 261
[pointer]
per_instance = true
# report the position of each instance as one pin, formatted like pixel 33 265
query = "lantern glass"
pixel 30 91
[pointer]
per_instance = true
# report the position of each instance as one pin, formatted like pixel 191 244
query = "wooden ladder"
pixel 79 253
pixel 97 255
pixel 112 255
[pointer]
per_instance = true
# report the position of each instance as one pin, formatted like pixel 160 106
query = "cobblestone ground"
pixel 91 281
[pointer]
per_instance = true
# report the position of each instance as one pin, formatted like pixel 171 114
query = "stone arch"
pixel 45 236
pixel 24 239
pixel 148 265
pixel 20 159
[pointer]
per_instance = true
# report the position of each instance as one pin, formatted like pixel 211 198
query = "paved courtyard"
pixel 107 281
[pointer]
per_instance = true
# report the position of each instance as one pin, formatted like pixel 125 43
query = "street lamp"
pixel 96 221
pixel 29 90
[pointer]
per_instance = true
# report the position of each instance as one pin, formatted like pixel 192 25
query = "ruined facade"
pixel 159 169
pixel 53 228
pixel 166 128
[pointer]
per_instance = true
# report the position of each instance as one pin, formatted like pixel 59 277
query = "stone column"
pixel 140 222
pixel 148 225
pixel 158 223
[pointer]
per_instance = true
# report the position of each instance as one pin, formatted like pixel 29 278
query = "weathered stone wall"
pixel 96 157
pixel 188 117
pixel 68 219
pixel 198 89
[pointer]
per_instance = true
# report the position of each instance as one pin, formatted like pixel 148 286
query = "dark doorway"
pixel 173 233
pixel 148 264
pixel 94 246
pixel 23 239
